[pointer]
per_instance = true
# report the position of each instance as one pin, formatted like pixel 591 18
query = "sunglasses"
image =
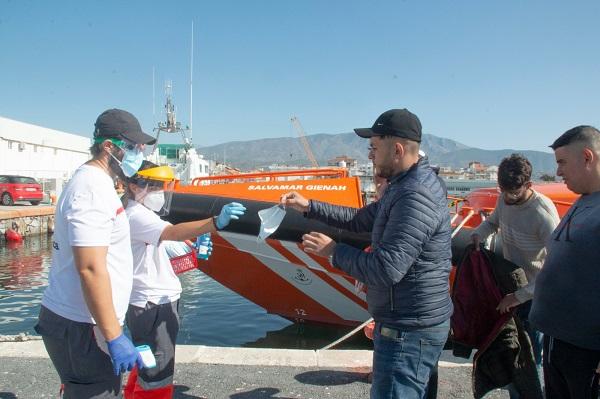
pixel 122 144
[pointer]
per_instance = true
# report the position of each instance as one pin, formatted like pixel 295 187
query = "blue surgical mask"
pixel 132 161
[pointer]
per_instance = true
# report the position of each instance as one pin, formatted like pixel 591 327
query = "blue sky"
pixel 490 74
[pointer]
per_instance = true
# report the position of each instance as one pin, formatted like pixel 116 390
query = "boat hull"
pixel 276 273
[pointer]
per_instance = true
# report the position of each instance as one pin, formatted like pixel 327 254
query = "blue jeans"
pixel 403 360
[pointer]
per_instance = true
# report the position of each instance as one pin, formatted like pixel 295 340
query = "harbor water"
pixel 211 314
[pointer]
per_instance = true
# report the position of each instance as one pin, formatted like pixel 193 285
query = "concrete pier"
pixel 237 373
pixel 30 220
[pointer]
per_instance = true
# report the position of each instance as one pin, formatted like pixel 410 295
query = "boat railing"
pixel 463 222
pixel 563 203
pixel 271 176
pixel 468 212
pixel 454 202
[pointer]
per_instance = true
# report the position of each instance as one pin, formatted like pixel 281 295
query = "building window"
pixel 10 143
pixel 21 147
pixel 56 151
pixel 35 148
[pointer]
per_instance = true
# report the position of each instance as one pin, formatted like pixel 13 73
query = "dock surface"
pixel 237 373
pixel 17 211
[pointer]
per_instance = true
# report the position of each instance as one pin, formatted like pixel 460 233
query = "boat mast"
pixel 191 80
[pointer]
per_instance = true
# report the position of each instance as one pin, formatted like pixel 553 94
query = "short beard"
pixel 385 172
pixel 115 168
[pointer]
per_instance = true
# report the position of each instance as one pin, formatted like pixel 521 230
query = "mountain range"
pixel 252 154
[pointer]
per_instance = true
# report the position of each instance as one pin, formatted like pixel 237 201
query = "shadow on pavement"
pixel 331 377
pixel 259 393
pixel 180 393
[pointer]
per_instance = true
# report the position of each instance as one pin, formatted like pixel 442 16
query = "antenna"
pixel 153 100
pixel 191 80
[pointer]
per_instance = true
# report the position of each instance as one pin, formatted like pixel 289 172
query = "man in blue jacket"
pixel 407 271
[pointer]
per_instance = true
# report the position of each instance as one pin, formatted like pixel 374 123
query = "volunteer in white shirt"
pixel 89 283
pixel 152 317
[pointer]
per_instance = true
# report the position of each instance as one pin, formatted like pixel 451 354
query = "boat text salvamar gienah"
pixel 296 187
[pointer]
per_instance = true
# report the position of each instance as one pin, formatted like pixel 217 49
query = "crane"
pixel 296 123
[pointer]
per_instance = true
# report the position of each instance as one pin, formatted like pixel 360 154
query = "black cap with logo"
pixel 395 122
pixel 119 124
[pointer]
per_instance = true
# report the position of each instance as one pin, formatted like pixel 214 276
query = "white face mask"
pixel 154 200
pixel 270 219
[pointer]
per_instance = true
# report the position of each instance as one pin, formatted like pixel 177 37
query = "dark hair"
pixel 96 149
pixel 513 172
pixel 584 133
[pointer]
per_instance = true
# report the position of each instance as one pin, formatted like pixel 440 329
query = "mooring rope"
pixel 345 337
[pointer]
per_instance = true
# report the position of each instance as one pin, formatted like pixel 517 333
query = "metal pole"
pixel 191 80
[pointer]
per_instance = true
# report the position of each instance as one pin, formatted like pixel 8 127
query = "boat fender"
pixel 12 235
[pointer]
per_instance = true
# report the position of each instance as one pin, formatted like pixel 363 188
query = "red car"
pixel 19 188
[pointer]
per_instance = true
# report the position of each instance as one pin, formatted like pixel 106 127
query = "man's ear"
pixel 399 149
pixel 107 145
pixel 589 156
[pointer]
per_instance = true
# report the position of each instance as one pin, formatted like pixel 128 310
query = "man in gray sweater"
pixel 567 290
pixel 526 220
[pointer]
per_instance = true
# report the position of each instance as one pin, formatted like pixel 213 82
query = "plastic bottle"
pixel 147 356
pixel 202 245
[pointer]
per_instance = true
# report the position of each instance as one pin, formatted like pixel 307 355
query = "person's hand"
pixel 507 303
pixel 294 201
pixel 123 354
pixel 318 244
pixel 476 241
pixel 229 212
pixel 359 287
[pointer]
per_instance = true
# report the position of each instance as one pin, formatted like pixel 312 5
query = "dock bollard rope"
pixel 345 337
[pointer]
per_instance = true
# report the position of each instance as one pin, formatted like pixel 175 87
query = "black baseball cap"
pixel 119 124
pixel 395 122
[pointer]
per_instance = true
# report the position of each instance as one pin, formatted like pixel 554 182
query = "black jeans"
pixel 80 357
pixel 569 371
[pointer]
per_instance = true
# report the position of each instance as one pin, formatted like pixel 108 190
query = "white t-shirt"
pixel 153 277
pixel 88 214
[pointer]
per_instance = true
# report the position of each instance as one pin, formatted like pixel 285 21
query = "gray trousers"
pixel 156 326
pixel 84 367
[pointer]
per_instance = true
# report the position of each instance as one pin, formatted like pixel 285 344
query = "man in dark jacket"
pixel 407 271
pixel 566 293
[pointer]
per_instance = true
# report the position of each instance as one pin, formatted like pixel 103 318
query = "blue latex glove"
pixel 123 354
pixel 229 212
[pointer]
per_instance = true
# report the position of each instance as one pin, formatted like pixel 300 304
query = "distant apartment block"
pixel 474 171
pixel 49 155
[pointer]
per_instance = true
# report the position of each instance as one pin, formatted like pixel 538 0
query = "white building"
pixel 50 156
